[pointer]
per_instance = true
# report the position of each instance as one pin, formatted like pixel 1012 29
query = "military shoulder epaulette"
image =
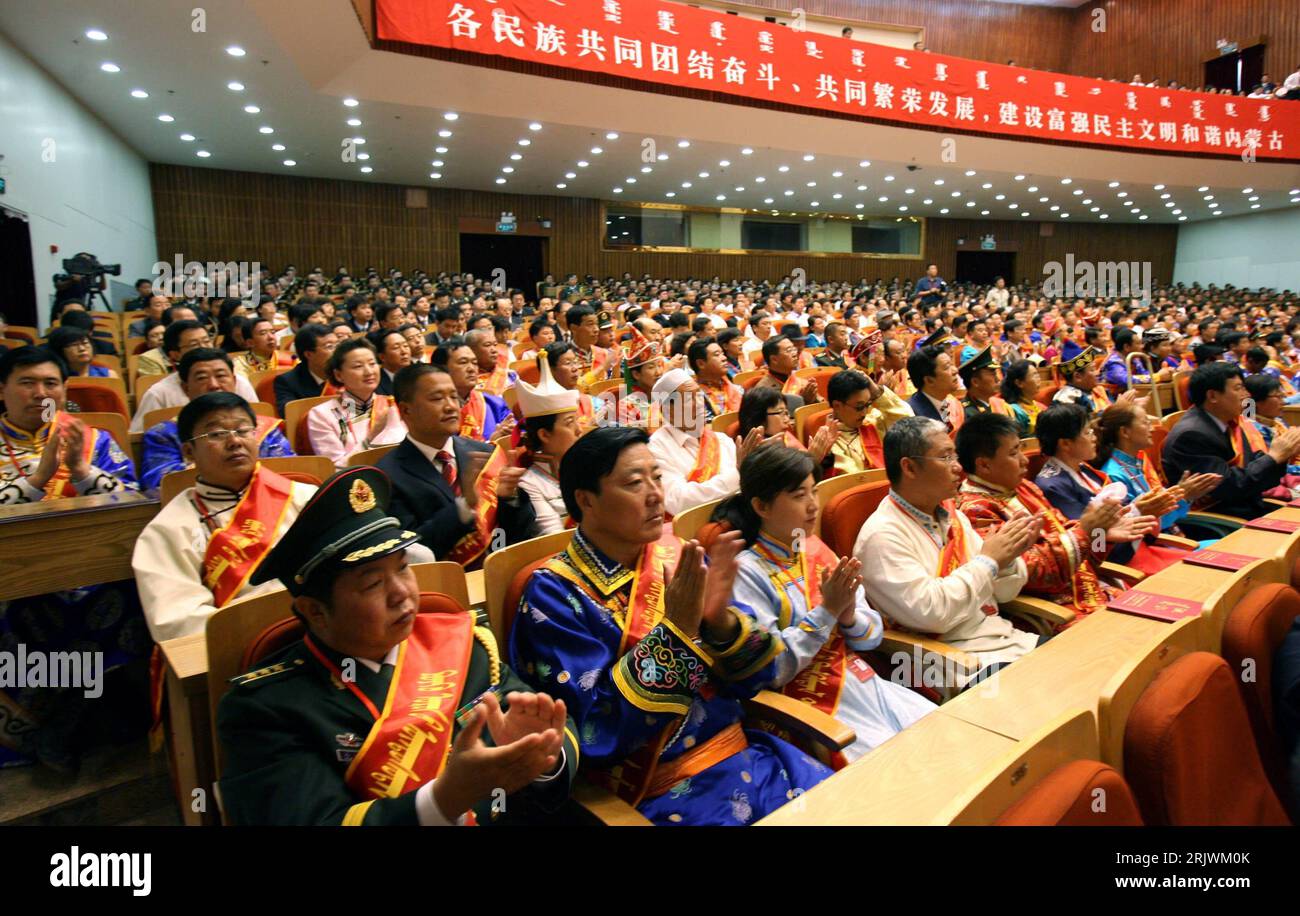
pixel 261 674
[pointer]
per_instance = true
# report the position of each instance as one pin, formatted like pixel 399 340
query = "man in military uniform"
pixel 980 377
pixel 378 714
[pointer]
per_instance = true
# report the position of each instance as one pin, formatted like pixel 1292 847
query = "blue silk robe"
pixel 565 642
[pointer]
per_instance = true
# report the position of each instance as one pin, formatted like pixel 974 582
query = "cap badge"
pixel 361 497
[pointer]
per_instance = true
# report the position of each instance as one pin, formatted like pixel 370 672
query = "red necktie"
pixel 449 471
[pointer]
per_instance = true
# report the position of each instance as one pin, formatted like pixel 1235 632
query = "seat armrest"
pixel 799 718
pixel 1126 574
pixel 606 807
pixel 1044 616
pixel 1173 540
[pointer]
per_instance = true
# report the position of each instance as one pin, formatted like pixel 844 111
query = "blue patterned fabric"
pixel 162 453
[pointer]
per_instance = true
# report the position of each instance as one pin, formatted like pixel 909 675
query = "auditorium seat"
pixel 813 420
pixel 98 395
pixel 1251 636
pixel 1082 793
pixel 295 422
pixel 1189 753
pixel 847 511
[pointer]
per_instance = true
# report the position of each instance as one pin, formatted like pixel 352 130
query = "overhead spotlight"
pixel 96 34
pixel 451 116
pixel 188 138
pixel 266 130
pixel 235 86
pixel 235 51
pixel 166 118
pixel 278 147
pixel 683 144
pixel 534 126
pixel 809 157
pixel 139 94
pixel 351 103
pixel 366 169
pixel 252 109
pixel 203 154
pixel 109 67
pixel 611 136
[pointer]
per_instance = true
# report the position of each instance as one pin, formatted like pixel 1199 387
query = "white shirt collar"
pixel 389 659
pixel 1223 427
pixel 428 451
pixel 938 405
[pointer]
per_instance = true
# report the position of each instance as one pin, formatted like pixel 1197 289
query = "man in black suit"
pixel 934 373
pixel 314 344
pixel 1214 438
pixel 434 470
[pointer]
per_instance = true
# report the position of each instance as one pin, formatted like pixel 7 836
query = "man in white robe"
pixel 677 445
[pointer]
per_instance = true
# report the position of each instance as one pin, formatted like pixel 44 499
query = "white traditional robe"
pixel 168 559
pixel 170 393
pixel 876 709
pixel 327 422
pixel 900 562
pixel 548 502
pixel 676 453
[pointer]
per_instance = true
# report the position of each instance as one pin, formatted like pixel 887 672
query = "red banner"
pixel 671 44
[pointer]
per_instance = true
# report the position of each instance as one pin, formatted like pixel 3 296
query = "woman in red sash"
pixel 764 408
pixel 796 587
pixel 358 418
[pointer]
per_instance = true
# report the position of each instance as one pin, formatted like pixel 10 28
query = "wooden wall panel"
pixel 1170 39
pixel 214 215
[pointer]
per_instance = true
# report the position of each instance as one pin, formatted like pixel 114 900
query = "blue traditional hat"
pixel 1075 358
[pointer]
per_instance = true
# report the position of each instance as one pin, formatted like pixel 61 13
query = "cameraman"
pixel 75 287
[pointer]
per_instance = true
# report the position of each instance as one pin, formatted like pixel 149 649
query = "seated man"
pixel 452 491
pixel 1062 563
pixel 480 414
pixel 642 368
pixel 1212 439
pixel 393 352
pixel 201 372
pixel 781 354
pixel 198 552
pixel 48 453
pixel 981 377
pixel 349 725
pixel 157 361
pixel 182 338
pixel 494 372
pixel 933 372
pixel 314 344
pixel 707 361
pixel 697 464
pixel 924 565
pixel 653 669
pixel 862 413
pixel 837 346
pixel 262 354
pixel 1078 368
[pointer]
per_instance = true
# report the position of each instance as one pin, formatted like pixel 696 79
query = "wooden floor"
pixel 114 786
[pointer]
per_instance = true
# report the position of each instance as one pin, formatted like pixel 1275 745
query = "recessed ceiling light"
pixel 534 126
pixel 769 200
pixel 1203 188
pixel 943 211
pixel 290 163
pixel 970 203
pixel 646 170
pixel 1067 180
pixel 96 34
pixel 1026 213
pixel 266 130
pixel 1247 190
pixel 1208 197
pixel 783 168
pixel 1113 184
pixel 938 182
pixel 970 173
pixel 1000 197
pixel 629 180
pixel 278 147
pixel 166 118
pixel 1165 196
pixel 445 134
pixel 1182 219
pixel 956 194
pixel 671 194
pixel 909 191
pixel 1175 211
pixel 583 163
pixel 889 178
pixel 618 190
pixel 525 142
pixel 203 154
pixel 1043 200
pixel 662 157
pixel 501 181
pixel 516 156
pixel 809 157
pixel 1094 209
pixel 252 109
pixel 351 103
pixel 928 201
pixel 611 136
pixel 1020 178
pixel 366 169
pixel 1104 216
pixel 683 144
pixel 759 179
pixel 789 193
pixel 1158 187
pixel 436 175
pixel 451 116
pixel 354 122
pixel 110 67
pixel 747 151
pixel 235 51
pixel 440 150
pixel 235 86
pixel 865 163
pixel 139 94
pixel 812 184
pixel 984 213
pixel 1143 216
pixel 1086 201
pixel 363 156
pixel 903 209
pixel 833 196
pixel 1122 194
pixel 883 199
pixel 359 141
pixel 1254 206
pixel 507 169
pixel 1252 199
pixel 570 175
pixel 724 163
pixel 188 138
pixel 721 197
pixel 1033 189
pixel 837 174
pixel 1053 208
pixel 1065 216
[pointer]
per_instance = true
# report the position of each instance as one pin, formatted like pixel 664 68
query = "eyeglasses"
pixel 222 436
pixel 946 457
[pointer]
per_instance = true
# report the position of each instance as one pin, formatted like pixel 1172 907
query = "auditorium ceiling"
pixel 293 87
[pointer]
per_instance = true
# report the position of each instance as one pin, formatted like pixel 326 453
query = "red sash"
pixel 409 742
pixel 872 447
pixel 472 545
pixel 791 384
pixel 1247 434
pixel 997 405
pixel 956 414
pixel 236 550
pixel 586 413
pixel 709 460
pixel 473 416
pixel 822 681
pixel 1149 471
pixel 378 415
pixel 496 382
pixel 956 552
pixel 60 483
pixel 723 399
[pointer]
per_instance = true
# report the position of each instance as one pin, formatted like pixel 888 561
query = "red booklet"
pixel 1218 559
pixel 1157 607
pixel 1273 524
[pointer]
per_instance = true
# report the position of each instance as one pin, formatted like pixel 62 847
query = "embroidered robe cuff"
pixel 662 672
pixel 753 648
pixel 32 493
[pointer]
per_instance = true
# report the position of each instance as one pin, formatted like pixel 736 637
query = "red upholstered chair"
pixel 265 385
pixel 844 515
pixel 1254 630
pixel 1036 461
pixel 1183 390
pixel 1189 753
pixel 1066 798
pixel 1158 436
pixel 815 422
pixel 709 533
pixel 516 592
pixel 1046 393
pixel 94 398
pixel 283 632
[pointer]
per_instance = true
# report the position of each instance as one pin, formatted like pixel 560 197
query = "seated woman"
pixel 74 346
pixel 764 408
pixel 357 418
pixel 798 589
pixel 550 427
pixel 1123 437
pixel 1269 397
pixel 1019 385
pixel 1070 483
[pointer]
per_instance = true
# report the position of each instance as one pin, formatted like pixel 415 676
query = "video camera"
pixel 87 265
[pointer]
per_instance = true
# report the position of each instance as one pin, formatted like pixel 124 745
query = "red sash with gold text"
pixel 60 483
pixel 473 416
pixel 1088 596
pixel 235 551
pixel 872 447
pixel 472 545
pixel 708 462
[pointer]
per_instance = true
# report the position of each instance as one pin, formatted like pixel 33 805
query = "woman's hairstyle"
pixel 764 475
pixel 61 338
pixel 755 405
pixel 1060 421
pixel 1015 373
pixel 341 353
pixel 1113 419
pixel 534 425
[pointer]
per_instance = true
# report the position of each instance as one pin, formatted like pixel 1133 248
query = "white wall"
pixel 93 196
pixel 1260 250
